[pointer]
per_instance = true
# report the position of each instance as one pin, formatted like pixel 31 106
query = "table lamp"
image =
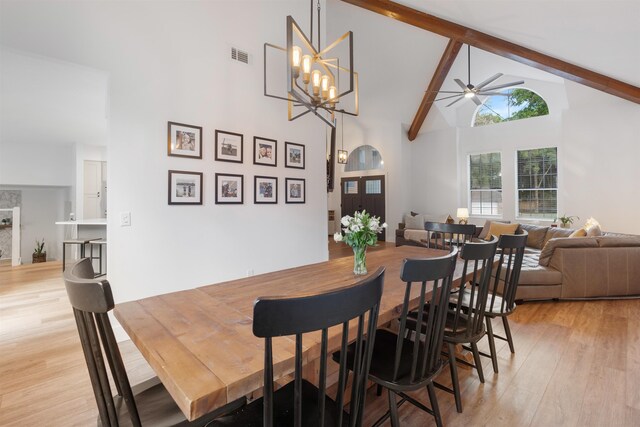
pixel 463 215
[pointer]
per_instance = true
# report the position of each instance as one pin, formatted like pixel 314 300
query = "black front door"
pixel 364 193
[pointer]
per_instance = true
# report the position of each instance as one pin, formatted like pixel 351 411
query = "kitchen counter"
pixel 95 221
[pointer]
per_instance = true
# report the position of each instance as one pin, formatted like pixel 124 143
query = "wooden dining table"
pixel 200 341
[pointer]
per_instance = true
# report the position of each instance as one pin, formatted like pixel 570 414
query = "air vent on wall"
pixel 239 55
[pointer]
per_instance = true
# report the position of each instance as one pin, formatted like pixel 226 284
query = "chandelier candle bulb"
pixel 325 86
pixel 332 94
pixel 296 59
pixel 315 81
pixel 306 68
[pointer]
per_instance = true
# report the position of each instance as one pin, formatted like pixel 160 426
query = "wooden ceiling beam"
pixel 501 47
pixel 448 57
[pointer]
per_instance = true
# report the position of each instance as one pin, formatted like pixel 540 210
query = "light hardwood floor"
pixel 576 363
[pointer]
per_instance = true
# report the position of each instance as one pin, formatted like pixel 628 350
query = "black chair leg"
pixel 492 345
pixel 64 256
pixel 434 404
pixel 454 377
pixel 477 361
pixel 507 331
pixel 393 408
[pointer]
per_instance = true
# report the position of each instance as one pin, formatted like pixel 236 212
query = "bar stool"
pixel 99 243
pixel 83 242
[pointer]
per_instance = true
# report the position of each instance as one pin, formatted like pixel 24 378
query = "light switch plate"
pixel 125 219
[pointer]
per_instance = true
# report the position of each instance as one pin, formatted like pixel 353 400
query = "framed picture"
pixel 265 189
pixel 229 188
pixel 264 151
pixel 229 147
pixel 184 140
pixel 185 188
pixel 293 155
pixel 295 190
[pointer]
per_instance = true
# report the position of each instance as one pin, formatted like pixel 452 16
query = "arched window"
pixel 364 158
pixel 509 105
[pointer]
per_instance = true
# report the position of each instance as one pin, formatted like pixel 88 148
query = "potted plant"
pixel 565 220
pixel 39 254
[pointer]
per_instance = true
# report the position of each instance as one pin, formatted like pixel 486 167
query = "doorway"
pixel 95 189
pixel 364 193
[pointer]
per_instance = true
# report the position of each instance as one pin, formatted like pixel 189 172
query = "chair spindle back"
pixel 442 235
pixel 283 316
pixel 92 300
pixel 507 274
pixel 426 348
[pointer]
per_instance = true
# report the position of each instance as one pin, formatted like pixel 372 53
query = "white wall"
pixel 597 140
pixel 46 176
pixel 36 164
pixel 167 61
pixel 41 208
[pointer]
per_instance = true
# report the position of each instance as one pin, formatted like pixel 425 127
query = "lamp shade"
pixel 462 213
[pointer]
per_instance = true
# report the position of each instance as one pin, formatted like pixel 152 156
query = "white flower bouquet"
pixel 360 232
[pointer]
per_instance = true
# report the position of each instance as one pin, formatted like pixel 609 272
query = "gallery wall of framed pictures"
pixel 187 187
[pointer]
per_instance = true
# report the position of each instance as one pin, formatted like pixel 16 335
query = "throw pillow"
pixel 487 225
pixel 414 222
pixel 592 227
pixel 579 233
pixel 497 229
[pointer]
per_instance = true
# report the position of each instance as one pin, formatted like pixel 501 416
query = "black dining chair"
pixel 399 364
pixel 466 314
pixel 146 404
pixel 441 235
pixel 300 403
pixel 501 302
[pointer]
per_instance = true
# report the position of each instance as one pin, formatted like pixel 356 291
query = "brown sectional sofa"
pixel 558 267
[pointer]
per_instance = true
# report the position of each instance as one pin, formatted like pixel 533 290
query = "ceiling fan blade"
pixel 489 80
pixel 462 85
pixel 461 97
pixel 493 94
pixel 476 100
pixel 445 91
pixel 504 85
pixel 449 97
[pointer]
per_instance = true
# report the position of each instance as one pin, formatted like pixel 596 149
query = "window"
pixel 511 104
pixel 485 184
pixel 364 158
pixel 538 183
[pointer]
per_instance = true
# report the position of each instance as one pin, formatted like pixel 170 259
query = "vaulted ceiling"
pixel 600 36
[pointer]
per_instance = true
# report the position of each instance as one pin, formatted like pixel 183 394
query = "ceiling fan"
pixel 472 92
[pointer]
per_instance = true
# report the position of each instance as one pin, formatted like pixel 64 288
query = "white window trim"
pixel 517 190
pixel 471 214
pixel 475 112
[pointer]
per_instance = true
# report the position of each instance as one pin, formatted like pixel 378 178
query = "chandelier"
pixel 317 79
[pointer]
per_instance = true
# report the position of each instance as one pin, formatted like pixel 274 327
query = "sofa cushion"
pixel 564 242
pixel 416 235
pixel 498 229
pixel 534 274
pixel 536 236
pixel 592 227
pixel 555 232
pixel 487 225
pixel 618 241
